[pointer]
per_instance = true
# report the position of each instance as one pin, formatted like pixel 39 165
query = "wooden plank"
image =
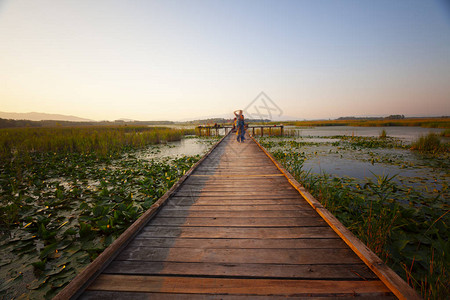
pixel 241 179
pixel 238 232
pixel 239 222
pixel 263 186
pixel 167 212
pixel 186 192
pixel 240 256
pixel 237 171
pixel 106 295
pixel 195 285
pixel 234 186
pixel 308 271
pixel 239 167
pixel 227 201
pixel 394 282
pixel 261 196
pixel 242 173
pixel 216 182
pixel 239 175
pixel 276 178
pixel 204 243
pixel 237 182
pixel 239 207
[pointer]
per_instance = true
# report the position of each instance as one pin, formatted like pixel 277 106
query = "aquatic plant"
pixel 66 209
pixel 405 227
pixel 60 209
pixel 360 142
pixel 383 134
pixel 430 143
pixel 445 133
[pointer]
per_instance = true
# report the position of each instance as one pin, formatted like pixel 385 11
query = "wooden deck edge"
pixel 392 280
pixel 85 277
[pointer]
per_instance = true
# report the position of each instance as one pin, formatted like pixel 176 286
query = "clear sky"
pixel 156 60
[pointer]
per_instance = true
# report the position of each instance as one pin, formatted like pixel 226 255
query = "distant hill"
pixel 10 123
pixel 35 116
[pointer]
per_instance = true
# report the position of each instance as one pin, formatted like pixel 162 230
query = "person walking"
pixel 240 126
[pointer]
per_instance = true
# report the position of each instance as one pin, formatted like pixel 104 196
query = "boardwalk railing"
pixel 208 130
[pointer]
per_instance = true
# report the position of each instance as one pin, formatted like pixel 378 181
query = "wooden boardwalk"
pixel 238 227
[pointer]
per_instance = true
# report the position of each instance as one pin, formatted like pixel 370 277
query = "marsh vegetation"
pixel 396 201
pixel 68 193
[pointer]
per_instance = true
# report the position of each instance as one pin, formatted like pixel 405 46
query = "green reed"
pixel 430 143
pixel 99 139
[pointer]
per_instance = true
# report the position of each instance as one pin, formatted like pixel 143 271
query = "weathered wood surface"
pixel 237 228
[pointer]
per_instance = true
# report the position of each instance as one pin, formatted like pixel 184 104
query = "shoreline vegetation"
pixel 427 122
pixel 414 122
pixel 102 140
pixel 407 226
pixel 67 193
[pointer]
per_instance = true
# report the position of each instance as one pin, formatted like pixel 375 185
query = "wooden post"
pixel 270 131
pixel 262 131
pixel 281 129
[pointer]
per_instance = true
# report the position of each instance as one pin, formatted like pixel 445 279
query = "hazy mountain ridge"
pixel 37 116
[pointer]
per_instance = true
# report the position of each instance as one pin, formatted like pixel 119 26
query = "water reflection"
pixel 185 147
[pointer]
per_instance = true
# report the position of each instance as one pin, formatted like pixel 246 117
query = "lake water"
pixel 409 167
pixel 407 134
pixel 186 147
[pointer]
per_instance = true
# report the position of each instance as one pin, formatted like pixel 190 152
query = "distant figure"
pixel 234 125
pixel 240 126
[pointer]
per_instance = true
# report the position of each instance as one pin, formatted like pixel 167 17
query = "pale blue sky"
pixel 153 60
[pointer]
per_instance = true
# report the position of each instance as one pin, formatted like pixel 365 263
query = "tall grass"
pixel 430 143
pixel 101 140
pixel 445 133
